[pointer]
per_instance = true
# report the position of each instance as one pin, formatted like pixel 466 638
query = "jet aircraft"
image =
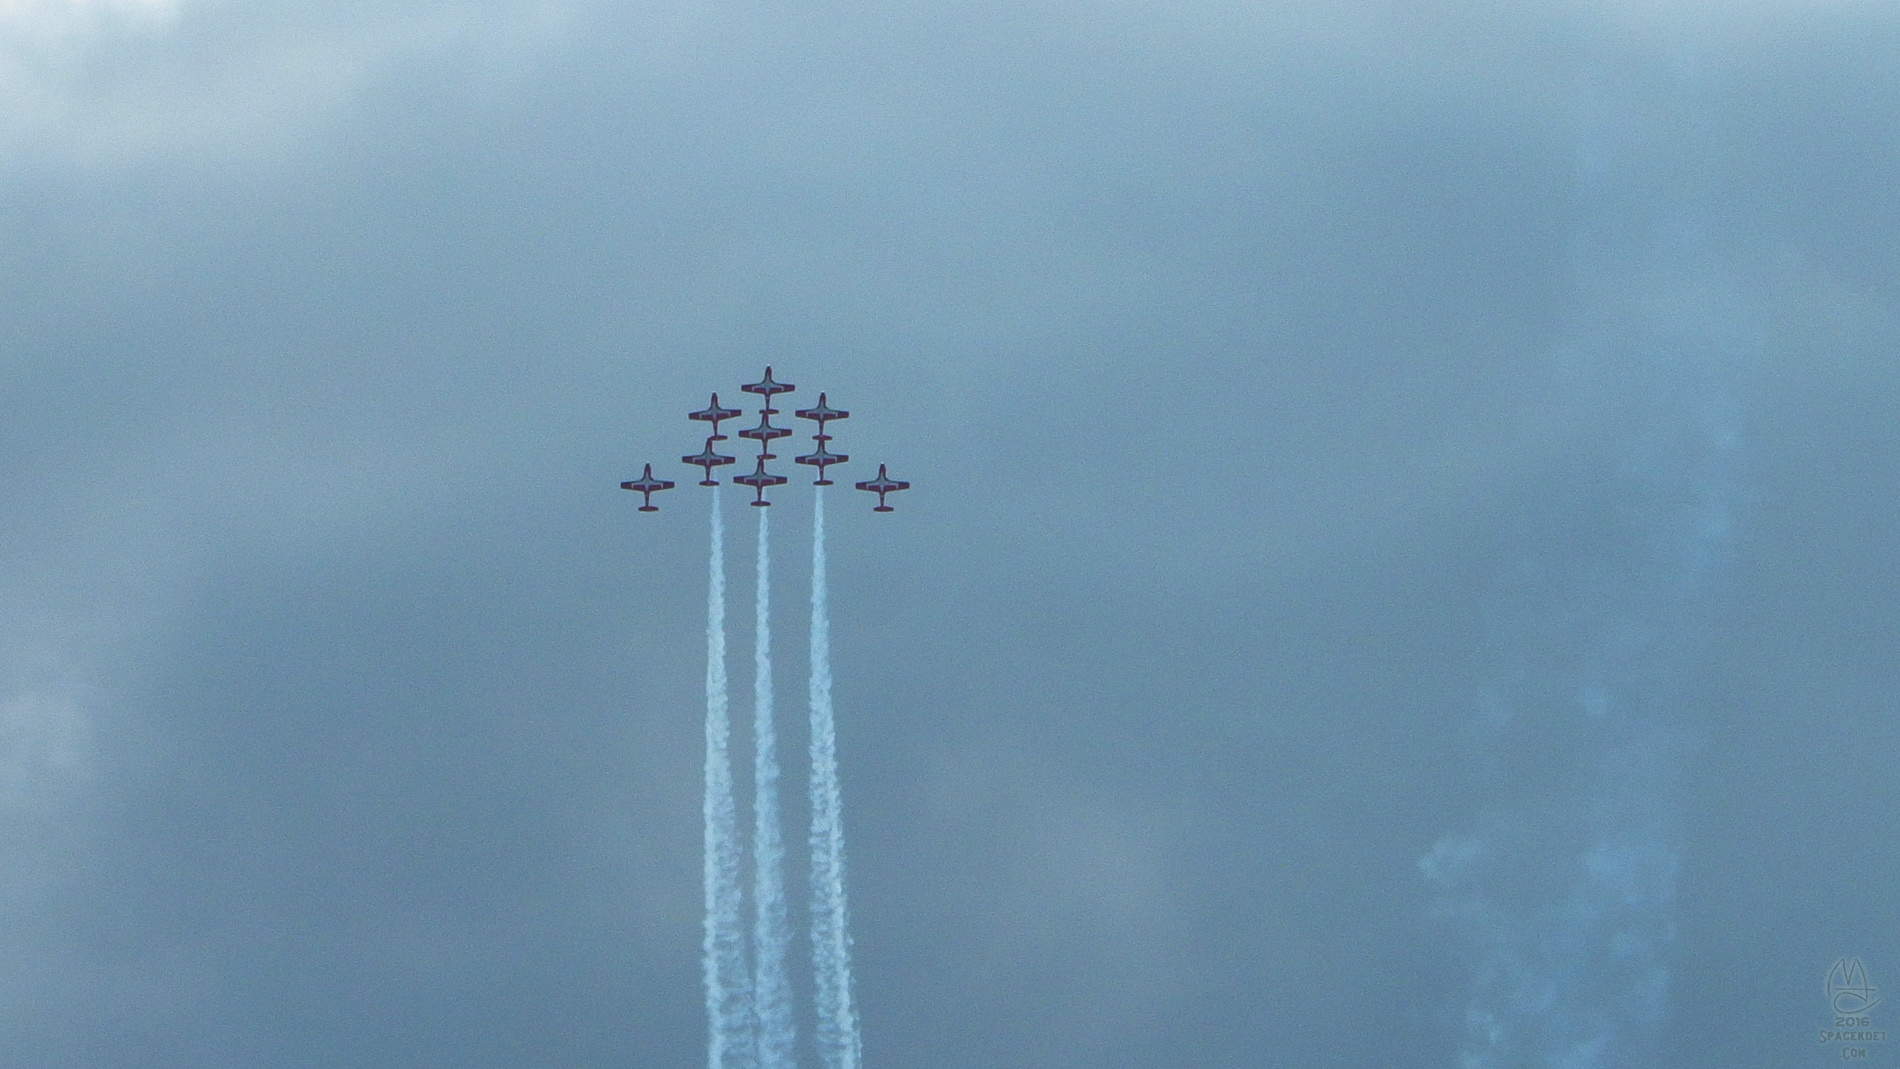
pixel 880 486
pixel 713 414
pixel 765 432
pixel 767 387
pixel 822 458
pixel 758 481
pixel 709 460
pixel 647 485
pixel 822 413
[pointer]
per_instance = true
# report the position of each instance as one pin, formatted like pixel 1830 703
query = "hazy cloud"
pixel 1280 385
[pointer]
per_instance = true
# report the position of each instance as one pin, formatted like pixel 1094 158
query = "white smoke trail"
pixel 771 930
pixel 1566 893
pixel 830 931
pixel 728 982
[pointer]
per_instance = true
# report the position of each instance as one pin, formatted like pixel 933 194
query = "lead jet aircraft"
pixel 822 413
pixel 758 481
pixel 647 485
pixel 709 460
pixel 767 387
pixel 822 458
pixel 882 485
pixel 713 414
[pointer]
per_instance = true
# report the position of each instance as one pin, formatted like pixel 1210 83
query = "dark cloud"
pixel 1289 398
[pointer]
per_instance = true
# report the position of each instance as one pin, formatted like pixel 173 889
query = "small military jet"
pixel 647 485
pixel 880 486
pixel 822 413
pixel 713 414
pixel 758 481
pixel 767 387
pixel 822 458
pixel 709 460
pixel 765 432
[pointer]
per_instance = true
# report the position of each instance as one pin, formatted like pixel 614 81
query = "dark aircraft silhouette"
pixel 647 485
pixel 765 432
pixel 880 486
pixel 713 414
pixel 822 413
pixel 822 458
pixel 758 481
pixel 767 387
pixel 709 460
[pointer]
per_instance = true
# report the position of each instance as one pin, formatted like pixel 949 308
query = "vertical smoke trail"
pixel 830 932
pixel 1566 890
pixel 728 982
pixel 771 933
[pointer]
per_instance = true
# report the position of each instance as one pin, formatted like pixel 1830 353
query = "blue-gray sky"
pixel 1324 419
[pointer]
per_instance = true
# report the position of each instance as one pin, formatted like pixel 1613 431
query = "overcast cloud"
pixel 1399 567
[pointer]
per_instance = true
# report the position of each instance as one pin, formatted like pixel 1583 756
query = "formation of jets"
pixel 759 479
